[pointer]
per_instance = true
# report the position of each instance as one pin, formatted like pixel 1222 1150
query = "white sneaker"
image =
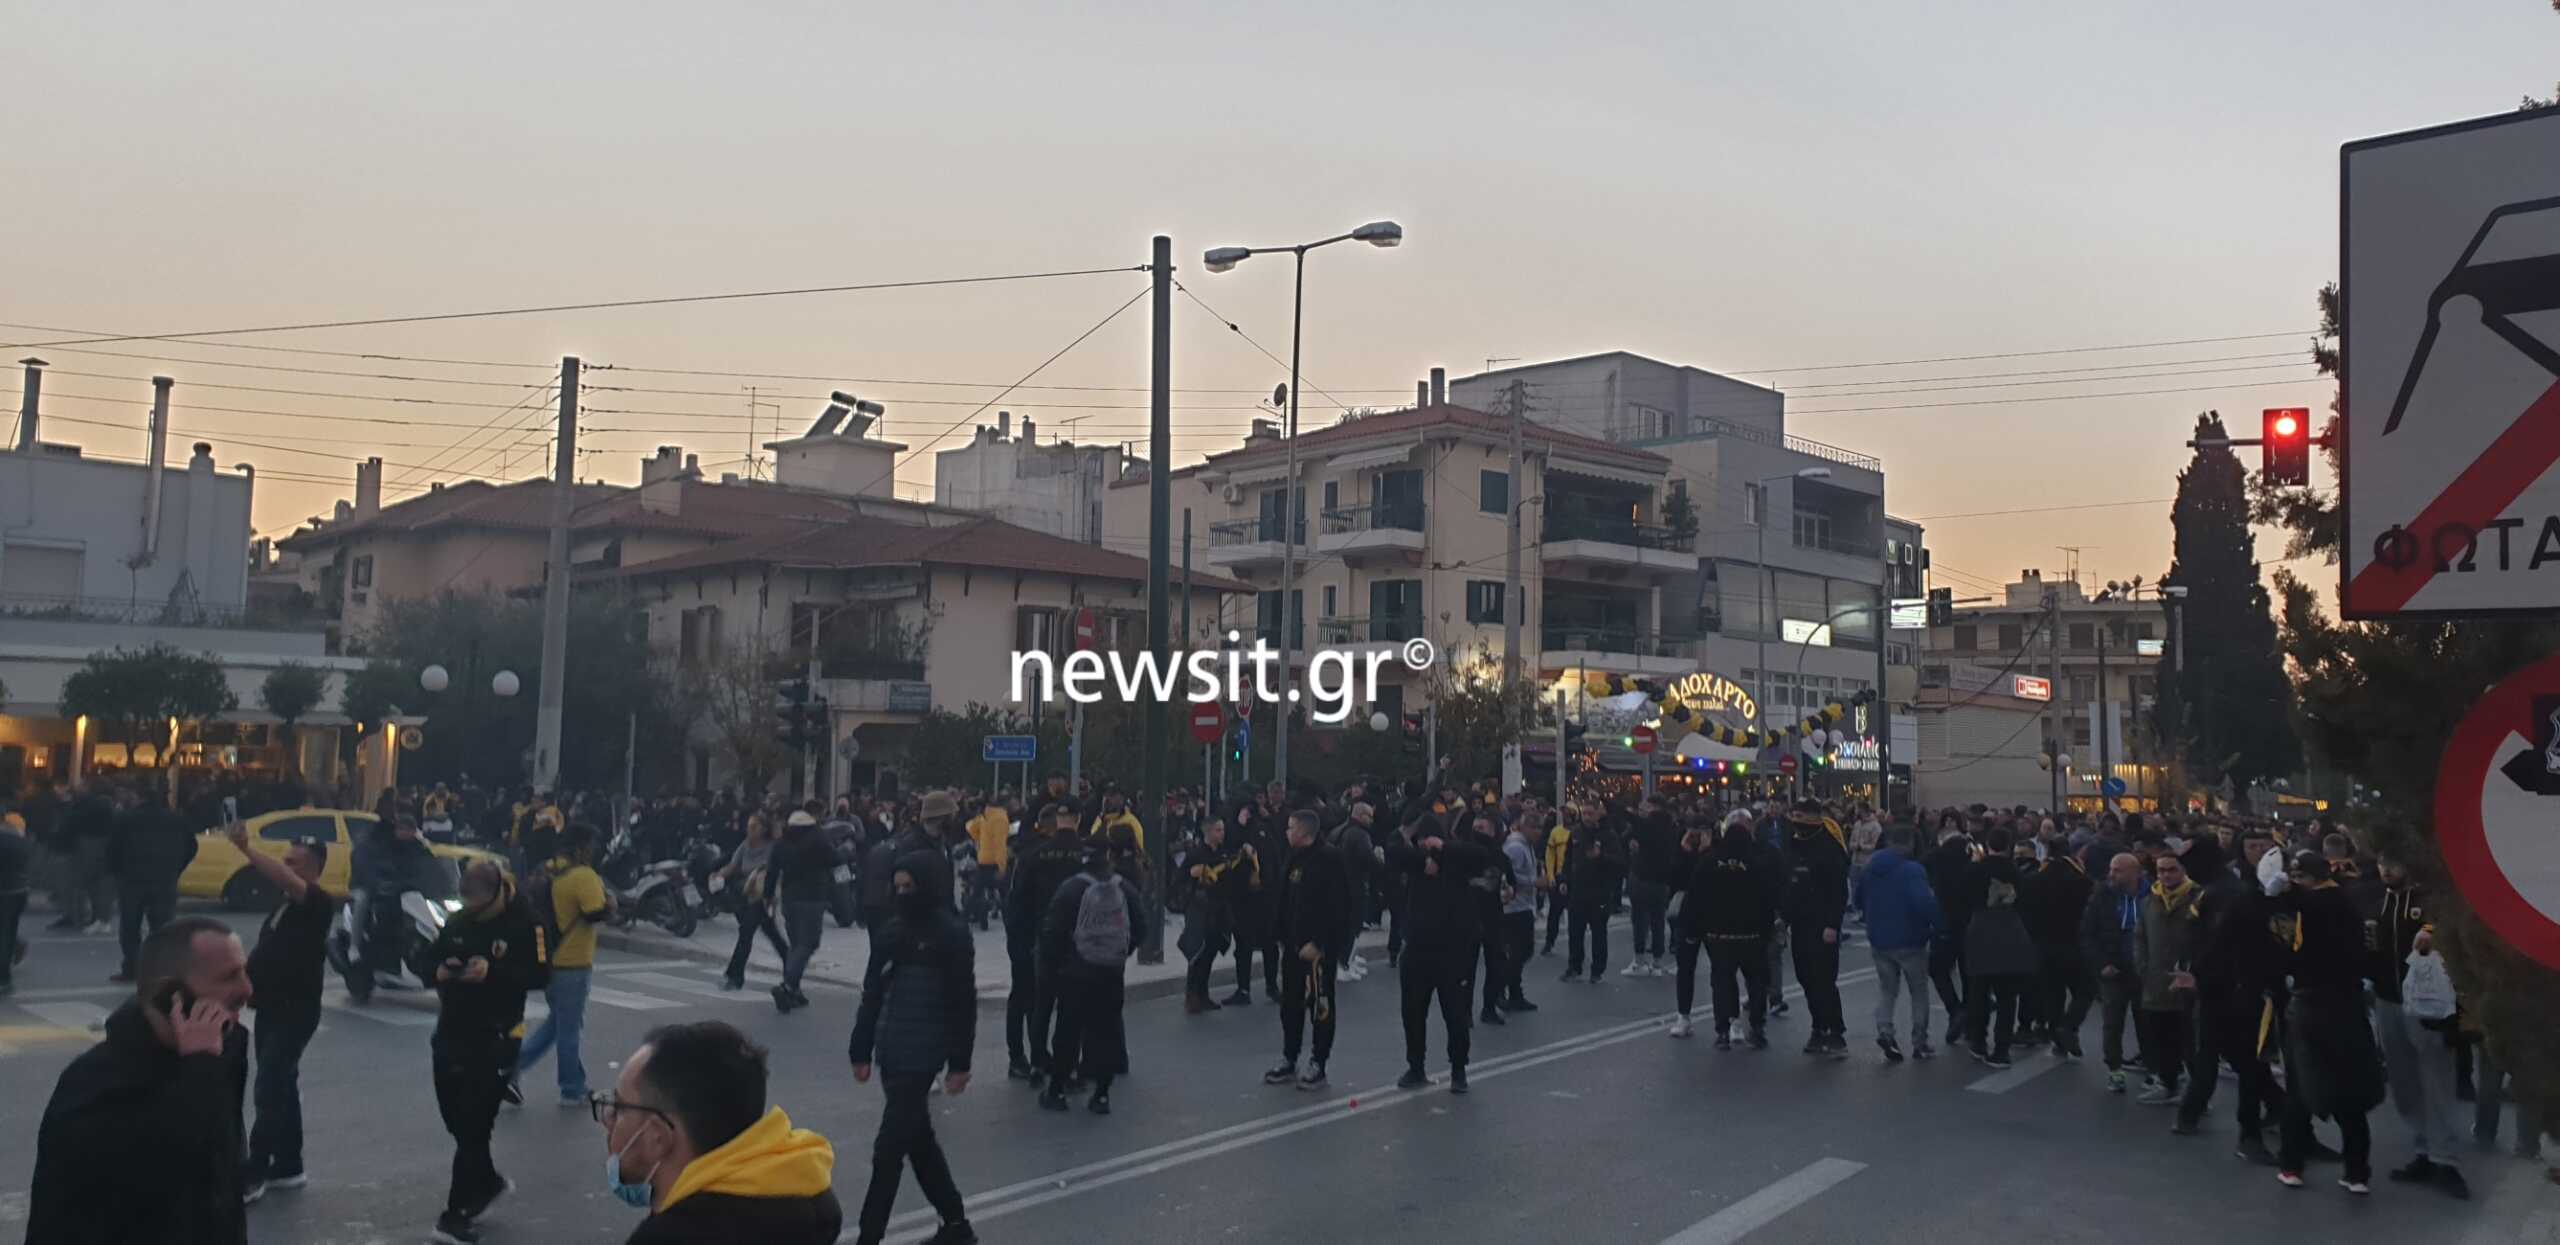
pixel 1681 1028
pixel 1634 968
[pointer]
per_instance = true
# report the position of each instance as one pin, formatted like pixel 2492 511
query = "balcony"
pixel 1241 543
pixel 1355 630
pixel 1593 541
pixel 1379 527
pixel 1613 650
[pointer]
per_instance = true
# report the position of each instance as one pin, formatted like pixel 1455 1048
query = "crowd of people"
pixel 2285 960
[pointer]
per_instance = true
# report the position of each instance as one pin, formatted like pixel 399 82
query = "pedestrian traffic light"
pixel 2285 447
pixel 1942 607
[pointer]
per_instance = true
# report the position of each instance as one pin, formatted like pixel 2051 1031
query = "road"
pixel 1586 1124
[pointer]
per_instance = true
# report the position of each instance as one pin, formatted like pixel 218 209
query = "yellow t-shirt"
pixel 988 830
pixel 575 892
pixel 1557 840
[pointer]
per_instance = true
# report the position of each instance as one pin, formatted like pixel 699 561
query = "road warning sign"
pixel 2498 810
pixel 2449 242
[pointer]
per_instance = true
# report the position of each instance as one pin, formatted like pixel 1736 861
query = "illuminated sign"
pixel 2149 648
pixel 2030 687
pixel 1712 692
pixel 1797 631
pixel 1908 613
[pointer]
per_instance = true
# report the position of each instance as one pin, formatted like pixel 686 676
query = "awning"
pixel 1271 473
pixel 1621 475
pixel 1372 458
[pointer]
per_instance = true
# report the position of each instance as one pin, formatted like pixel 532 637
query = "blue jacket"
pixel 1901 910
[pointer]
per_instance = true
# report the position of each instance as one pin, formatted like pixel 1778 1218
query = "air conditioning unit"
pixel 1234 493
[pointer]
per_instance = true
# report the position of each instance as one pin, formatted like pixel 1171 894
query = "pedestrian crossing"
pixel 37 1019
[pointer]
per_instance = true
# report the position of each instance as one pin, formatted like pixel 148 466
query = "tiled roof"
pixel 853 543
pixel 707 509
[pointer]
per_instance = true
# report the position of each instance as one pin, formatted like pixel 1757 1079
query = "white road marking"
pixel 72 992
pixel 633 1002
pixel 379 1012
pixel 1756 1211
pixel 625 966
pixel 2007 1079
pixel 705 989
pixel 69 1015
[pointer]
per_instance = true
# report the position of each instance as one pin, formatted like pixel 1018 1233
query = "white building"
pixel 1055 488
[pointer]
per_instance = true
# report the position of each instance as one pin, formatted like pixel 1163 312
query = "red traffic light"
pixel 2286 424
pixel 2285 446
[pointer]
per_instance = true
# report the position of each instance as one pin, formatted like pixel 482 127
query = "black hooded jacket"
pixel 1731 894
pixel 919 1010
pixel 1444 910
pixel 1817 894
pixel 141 1143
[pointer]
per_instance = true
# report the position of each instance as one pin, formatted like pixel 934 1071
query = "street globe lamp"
pixel 434 678
pixel 504 683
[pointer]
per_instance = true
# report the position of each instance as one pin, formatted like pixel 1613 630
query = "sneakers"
pixel 1892 1052
pixel 785 999
pixel 1413 1078
pixel 1281 1074
pixel 1838 1044
pixel 2253 1149
pixel 955 1232
pixel 2357 1187
pixel 1241 998
pixel 731 985
pixel 1491 1016
pixel 1759 1040
pixel 2419 1171
pixel 288 1180
pixel 2449 1179
pixel 1724 1040
pixel 1017 1071
pixel 1519 1003
pixel 1637 967
pixel 1922 1050
pixel 1955 1034
pixel 1998 1059
pixel 1681 1027
pixel 1777 1008
pixel 251 1191
pixel 2158 1096
pixel 1053 1098
pixel 2182 1127
pixel 1100 1104
pixel 454 1228
pixel 1313 1078
pixel 2289 1179
pixel 505 1187
pixel 1571 974
pixel 2115 1081
pixel 1817 1045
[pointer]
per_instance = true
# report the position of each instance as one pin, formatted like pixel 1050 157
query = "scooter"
pixel 375 948
pixel 646 891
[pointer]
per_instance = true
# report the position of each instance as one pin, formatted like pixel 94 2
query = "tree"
pixel 1680 514
pixel 292 691
pixel 733 696
pixel 2232 704
pixel 132 692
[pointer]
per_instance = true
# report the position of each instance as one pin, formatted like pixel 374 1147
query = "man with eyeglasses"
pixel 689 1137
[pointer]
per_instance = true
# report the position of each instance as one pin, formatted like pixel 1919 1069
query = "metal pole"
pixel 1289 530
pixel 1512 605
pixel 1768 601
pixel 630 751
pixel 2106 753
pixel 555 588
pixel 1159 535
pixel 1881 717
pixel 2053 697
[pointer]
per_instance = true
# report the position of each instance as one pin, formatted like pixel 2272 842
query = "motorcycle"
pixel 844 902
pixel 646 891
pixel 372 940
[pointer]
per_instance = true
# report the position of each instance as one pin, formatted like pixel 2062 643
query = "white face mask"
pixel 2271 874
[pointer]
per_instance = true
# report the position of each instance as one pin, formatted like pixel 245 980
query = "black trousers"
pixel 1594 919
pixel 2355 1140
pixel 1818 972
pixel 1946 971
pixel 1195 978
pixel 1446 974
pixel 1555 918
pixel 1519 933
pixel 1728 959
pixel 1496 975
pixel 141 908
pixel 753 917
pixel 1992 1004
pixel 1091 1038
pixel 2226 1029
pixel 1297 999
pixel 280 1035
pixel 12 906
pixel 2066 991
pixel 1026 1010
pixel 906 1137
pixel 2164 1054
pixel 468 1085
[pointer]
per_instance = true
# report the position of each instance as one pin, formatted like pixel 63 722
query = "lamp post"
pixel 1769 578
pixel 434 679
pixel 1382 233
pixel 1805 646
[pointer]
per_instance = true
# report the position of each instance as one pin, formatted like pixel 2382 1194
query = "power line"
pixel 2092 505
pixel 2028 354
pixel 1238 330
pixel 490 313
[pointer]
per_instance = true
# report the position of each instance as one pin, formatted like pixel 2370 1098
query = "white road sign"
pixel 2449 242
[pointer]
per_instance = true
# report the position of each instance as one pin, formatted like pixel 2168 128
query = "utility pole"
pixel 809 747
pixel 1159 535
pixel 2053 695
pixel 630 754
pixel 555 588
pixel 2105 722
pixel 1513 607
pixel 1880 716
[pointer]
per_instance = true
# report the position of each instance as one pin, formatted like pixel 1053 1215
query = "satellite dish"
pixel 1280 395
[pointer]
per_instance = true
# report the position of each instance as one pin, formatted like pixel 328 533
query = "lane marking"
pixel 705 989
pixel 80 1016
pixel 633 1002
pixel 917 1225
pixel 380 1013
pixel 622 966
pixel 1756 1211
pixel 2010 1078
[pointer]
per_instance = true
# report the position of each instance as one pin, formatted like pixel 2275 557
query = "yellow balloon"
pixel 1595 684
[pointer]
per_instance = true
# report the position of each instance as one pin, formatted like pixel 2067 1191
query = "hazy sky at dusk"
pixel 1747 188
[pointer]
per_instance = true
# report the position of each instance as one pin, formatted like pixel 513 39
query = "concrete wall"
pixel 60 503
pixel 1601 397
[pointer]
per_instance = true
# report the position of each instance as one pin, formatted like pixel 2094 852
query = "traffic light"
pixel 790 698
pixel 2285 447
pixel 1942 607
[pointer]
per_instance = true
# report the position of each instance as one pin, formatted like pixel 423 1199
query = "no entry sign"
pixel 1208 721
pixel 2449 242
pixel 2498 809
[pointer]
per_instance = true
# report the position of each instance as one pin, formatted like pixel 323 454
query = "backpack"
pixel 536 893
pixel 1102 924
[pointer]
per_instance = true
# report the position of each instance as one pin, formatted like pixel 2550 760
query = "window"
pixel 2080 732
pixel 1333 494
pixel 698 634
pixel 2012 637
pixel 1964 638
pixel 1395 609
pixel 1484 600
pixel 2142 631
pixel 1266 617
pixel 1813 529
pixel 2084 688
pixel 1755 502
pixel 364 571
pixel 323 828
pixel 1493 492
pixel 2083 637
pixel 1329 597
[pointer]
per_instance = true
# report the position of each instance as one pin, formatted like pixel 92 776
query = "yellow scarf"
pixel 769 1160
pixel 2169 899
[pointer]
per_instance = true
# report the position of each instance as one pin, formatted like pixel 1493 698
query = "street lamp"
pixel 1805 646
pixel 1377 233
pixel 1769 578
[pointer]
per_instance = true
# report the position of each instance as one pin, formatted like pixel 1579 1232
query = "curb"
pixel 612 939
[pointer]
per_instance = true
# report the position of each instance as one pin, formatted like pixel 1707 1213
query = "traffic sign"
pixel 1208 721
pixel 1009 748
pixel 2449 244
pixel 2112 788
pixel 2496 797
pixel 1787 765
pixel 1643 737
pixel 1084 628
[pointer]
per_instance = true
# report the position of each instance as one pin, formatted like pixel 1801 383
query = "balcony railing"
pixel 158 613
pixel 1810 537
pixel 1576 639
pixel 1362 629
pixel 1703 425
pixel 1376 516
pixel 1252 531
pixel 1616 531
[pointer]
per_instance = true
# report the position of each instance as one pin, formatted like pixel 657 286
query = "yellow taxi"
pixel 220 872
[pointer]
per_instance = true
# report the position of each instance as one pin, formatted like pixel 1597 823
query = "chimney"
pixel 1421 394
pixel 369 488
pixel 149 551
pixel 662 480
pixel 28 395
pixel 1439 386
pixel 343 511
pixel 1263 430
pixel 1004 424
pixel 1030 434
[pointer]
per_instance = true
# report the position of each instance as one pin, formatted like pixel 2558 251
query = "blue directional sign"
pixel 2112 787
pixel 1009 748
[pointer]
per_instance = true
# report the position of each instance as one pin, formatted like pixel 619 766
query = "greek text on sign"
pixel 2030 687
pixel 2450 253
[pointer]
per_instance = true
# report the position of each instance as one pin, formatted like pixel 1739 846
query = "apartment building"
pixel 1055 488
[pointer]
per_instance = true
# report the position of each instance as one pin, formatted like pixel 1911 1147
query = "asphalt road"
pixel 1586 1124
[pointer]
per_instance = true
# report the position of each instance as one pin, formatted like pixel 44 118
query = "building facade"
pixel 1056 488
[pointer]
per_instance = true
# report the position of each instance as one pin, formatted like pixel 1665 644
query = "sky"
pixel 1771 191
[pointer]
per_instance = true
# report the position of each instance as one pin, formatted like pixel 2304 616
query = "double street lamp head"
pixel 1378 233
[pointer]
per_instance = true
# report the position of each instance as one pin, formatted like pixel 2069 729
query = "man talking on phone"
pixel 142 1139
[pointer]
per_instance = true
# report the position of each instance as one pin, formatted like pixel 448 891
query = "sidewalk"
pixel 843 954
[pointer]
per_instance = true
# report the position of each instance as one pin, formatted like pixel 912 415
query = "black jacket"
pixel 1444 910
pixel 1653 851
pixel 1314 902
pixel 1042 862
pixel 1595 862
pixel 2398 914
pixel 729 1219
pixel 141 1144
pixel 151 845
pixel 1731 892
pixel 919 1009
pixel 804 861
pixel 1817 895
pixel 2052 900
pixel 1058 928
pixel 1947 864
pixel 2108 923
pixel 472 1017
